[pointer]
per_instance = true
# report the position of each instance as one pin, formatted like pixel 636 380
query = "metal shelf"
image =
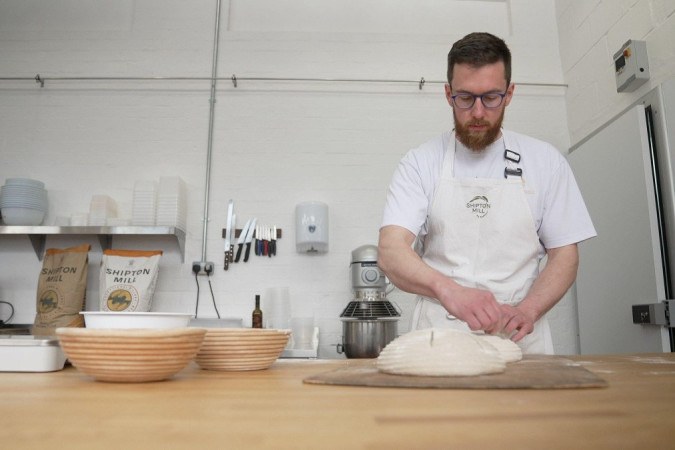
pixel 38 234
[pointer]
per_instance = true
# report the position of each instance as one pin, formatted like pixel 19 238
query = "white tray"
pixel 25 353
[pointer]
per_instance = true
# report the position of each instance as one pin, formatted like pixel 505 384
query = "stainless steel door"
pixel 622 265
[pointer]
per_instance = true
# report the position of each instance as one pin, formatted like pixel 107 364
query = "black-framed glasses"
pixel 489 100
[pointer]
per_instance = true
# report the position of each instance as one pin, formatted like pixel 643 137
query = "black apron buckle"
pixel 518 172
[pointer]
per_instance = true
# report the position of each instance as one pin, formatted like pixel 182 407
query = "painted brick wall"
pixel 590 33
pixel 275 143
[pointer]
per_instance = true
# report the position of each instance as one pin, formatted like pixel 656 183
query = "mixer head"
pixel 368 281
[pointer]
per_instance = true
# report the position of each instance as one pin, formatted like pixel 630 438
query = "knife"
pixel 230 250
pixel 273 242
pixel 242 238
pixel 232 234
pixel 258 241
pixel 266 241
pixel 249 238
pixel 229 246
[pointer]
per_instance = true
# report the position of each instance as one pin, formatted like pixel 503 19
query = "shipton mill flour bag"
pixel 127 279
pixel 61 289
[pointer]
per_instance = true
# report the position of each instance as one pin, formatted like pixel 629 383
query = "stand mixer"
pixel 370 321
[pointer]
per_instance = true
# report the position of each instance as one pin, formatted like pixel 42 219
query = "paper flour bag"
pixel 127 279
pixel 61 292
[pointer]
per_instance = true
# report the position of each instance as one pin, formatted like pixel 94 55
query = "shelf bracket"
pixel 180 238
pixel 105 240
pixel 38 243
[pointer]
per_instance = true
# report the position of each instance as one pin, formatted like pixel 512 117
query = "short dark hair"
pixel 478 50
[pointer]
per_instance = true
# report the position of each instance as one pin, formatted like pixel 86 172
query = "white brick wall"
pixel 590 33
pixel 275 143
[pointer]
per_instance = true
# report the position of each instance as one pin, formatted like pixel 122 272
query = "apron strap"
pixel 512 162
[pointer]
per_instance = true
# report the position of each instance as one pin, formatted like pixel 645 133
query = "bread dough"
pixel 440 352
pixel 508 349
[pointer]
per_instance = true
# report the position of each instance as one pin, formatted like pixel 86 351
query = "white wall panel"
pixel 370 16
pixel 275 143
pixel 590 34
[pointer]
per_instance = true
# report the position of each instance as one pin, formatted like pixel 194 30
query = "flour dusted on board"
pixel 128 279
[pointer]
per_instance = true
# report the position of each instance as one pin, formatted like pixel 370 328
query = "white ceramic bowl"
pixel 28 204
pixel 22 216
pixel 125 320
pixel 24 182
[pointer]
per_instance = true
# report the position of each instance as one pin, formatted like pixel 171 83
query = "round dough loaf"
pixel 440 352
pixel 508 349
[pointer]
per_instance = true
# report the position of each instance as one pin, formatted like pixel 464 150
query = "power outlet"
pixel 202 268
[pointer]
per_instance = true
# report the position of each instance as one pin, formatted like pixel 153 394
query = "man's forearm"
pixel 552 283
pixel 478 308
pixel 404 267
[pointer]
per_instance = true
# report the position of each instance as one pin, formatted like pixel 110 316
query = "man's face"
pixel 478 126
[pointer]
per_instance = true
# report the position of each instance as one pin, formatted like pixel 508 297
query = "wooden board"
pixel 532 372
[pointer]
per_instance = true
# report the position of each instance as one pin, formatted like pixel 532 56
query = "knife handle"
pixel 231 253
pixel 226 263
pixel 236 258
pixel 248 251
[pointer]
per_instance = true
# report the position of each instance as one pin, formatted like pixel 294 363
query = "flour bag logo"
pixel 479 205
pixel 49 301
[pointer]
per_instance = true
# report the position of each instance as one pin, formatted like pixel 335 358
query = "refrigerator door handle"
pixel 654 313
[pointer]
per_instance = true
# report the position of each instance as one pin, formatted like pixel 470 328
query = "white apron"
pixel 482 235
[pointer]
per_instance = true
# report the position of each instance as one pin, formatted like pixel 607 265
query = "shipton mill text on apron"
pixel 479 205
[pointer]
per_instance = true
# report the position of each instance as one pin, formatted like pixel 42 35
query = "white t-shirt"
pixel 558 210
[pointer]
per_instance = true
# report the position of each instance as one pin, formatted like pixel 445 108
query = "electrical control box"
pixel 631 67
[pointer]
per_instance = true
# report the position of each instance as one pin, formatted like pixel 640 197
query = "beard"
pixel 477 141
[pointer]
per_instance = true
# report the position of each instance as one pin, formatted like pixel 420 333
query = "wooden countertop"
pixel 274 409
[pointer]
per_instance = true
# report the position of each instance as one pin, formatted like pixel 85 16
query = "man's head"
pixel 477 50
pixel 479 88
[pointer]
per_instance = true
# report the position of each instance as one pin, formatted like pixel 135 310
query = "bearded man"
pixel 470 215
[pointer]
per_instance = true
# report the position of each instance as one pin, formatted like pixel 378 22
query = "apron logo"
pixel 479 205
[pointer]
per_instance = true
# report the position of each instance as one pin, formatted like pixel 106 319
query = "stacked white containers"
pixel 144 205
pixel 171 203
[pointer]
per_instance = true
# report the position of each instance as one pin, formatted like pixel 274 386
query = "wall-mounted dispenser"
pixel 311 227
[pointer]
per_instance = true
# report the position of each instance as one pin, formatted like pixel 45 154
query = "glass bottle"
pixel 257 316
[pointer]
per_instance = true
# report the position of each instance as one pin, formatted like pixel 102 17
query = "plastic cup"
pixel 302 329
pixel 276 306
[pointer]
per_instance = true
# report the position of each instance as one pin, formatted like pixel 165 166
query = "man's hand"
pixel 477 307
pixel 549 287
pixel 515 323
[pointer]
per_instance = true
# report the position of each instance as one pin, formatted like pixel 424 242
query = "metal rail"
pixel 235 79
